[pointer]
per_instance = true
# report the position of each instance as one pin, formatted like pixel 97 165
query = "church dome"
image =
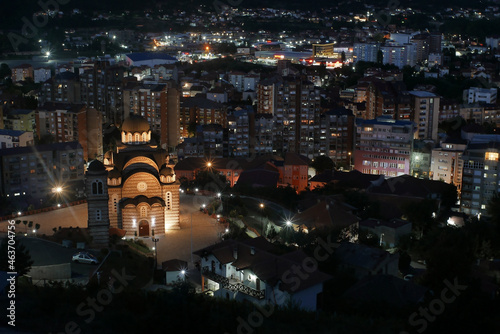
pixel 114 174
pixel 96 166
pixel 135 124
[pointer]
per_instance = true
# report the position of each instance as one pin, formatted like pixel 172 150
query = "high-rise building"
pixel 399 55
pixel 435 42
pixel 383 146
pixel 238 133
pixel 365 52
pixel 480 179
pixel 34 171
pixel 447 163
pixel 297 113
pixel 62 88
pixel 200 111
pixel 421 42
pixel 425 114
pixel 267 96
pixel 72 122
pixel 337 135
pixel 264 134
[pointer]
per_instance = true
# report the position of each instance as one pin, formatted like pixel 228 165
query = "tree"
pixel 5 71
pixel 380 57
pixel 322 163
pixel 23 261
pixel 493 209
pixel 192 129
pixel 404 262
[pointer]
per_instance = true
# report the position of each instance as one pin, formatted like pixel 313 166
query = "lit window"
pixel 492 156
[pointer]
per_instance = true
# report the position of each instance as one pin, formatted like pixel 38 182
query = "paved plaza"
pixel 176 244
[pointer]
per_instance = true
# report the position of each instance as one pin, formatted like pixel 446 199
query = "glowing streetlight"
pixel 183 272
pixel 209 164
pixel 203 206
pixel 288 223
pixel 219 194
pixel 196 189
pixel 227 230
pixel 19 213
pixel 262 205
pixel 58 190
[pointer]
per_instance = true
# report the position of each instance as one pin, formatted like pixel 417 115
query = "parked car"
pixel 84 257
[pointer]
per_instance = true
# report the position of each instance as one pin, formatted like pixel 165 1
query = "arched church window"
pixel 129 138
pixel 97 188
pixel 144 137
pixel 144 211
pixel 137 138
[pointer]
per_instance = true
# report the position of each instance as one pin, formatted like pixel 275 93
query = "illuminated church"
pixel 135 189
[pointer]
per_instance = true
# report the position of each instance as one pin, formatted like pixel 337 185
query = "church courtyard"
pixel 175 244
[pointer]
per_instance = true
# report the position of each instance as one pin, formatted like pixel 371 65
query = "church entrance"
pixel 144 228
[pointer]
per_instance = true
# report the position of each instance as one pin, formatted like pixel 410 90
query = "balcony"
pixel 231 285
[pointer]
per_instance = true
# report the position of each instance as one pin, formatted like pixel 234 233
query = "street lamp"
pixel 261 205
pixel 155 240
pixel 288 223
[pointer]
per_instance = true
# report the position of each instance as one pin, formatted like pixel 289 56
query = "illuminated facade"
pixel 142 187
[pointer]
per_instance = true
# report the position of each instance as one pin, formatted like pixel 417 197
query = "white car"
pixel 84 257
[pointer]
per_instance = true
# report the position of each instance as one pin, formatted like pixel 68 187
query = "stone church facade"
pixel 142 190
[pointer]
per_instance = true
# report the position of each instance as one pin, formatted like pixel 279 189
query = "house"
pixel 13 138
pixel 364 261
pixel 295 172
pixel 353 179
pixel 175 270
pixel 326 214
pixel 249 270
pixel 388 232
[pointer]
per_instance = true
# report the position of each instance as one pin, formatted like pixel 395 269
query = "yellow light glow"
pixel 492 156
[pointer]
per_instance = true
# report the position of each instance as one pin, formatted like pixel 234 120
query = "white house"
pixel 13 138
pixel 248 270
pixel 481 95
pixel 175 270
